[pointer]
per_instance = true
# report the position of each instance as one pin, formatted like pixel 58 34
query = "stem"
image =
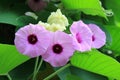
pixel 9 77
pixel 35 68
pixel 58 71
pixel 40 64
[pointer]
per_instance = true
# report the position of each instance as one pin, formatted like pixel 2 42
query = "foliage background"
pixel 99 66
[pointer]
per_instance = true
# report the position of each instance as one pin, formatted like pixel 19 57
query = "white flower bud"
pixel 58 18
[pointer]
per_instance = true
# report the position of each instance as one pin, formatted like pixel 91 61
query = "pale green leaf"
pixel 10 58
pixel 97 62
pixel 91 7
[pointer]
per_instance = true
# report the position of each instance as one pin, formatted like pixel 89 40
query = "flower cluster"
pixel 56 22
pixel 87 36
pixel 55 46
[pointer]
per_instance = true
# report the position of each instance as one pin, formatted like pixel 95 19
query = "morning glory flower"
pixel 32 40
pixel 60 49
pixel 98 37
pixel 82 36
pixel 58 18
pixel 36 5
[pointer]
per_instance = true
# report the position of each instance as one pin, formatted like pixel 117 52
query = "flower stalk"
pixel 9 77
pixel 35 68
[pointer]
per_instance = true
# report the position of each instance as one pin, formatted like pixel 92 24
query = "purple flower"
pixel 82 36
pixel 60 49
pixel 98 37
pixel 37 5
pixel 32 40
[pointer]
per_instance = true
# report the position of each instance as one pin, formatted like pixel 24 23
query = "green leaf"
pixel 115 34
pixel 115 8
pixel 23 71
pixel 72 77
pixel 8 17
pixel 62 75
pixel 14 14
pixel 86 75
pixel 91 7
pixel 96 62
pixel 24 20
pixel 10 58
pixel 79 74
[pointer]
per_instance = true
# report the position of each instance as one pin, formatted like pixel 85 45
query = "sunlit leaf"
pixel 10 58
pixel 96 62
pixel 91 7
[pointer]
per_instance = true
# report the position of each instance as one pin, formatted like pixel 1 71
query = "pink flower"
pixel 32 40
pixel 60 49
pixel 37 5
pixel 98 37
pixel 82 36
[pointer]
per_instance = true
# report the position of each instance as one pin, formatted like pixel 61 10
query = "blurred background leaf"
pixel 114 6
pixel 14 13
pixel 115 44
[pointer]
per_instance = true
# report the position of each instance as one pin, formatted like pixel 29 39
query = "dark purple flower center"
pixel 57 48
pixel 36 0
pixel 78 38
pixel 93 38
pixel 32 39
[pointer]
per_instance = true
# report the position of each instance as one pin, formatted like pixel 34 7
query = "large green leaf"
pixel 23 71
pixel 115 34
pixel 86 75
pixel 92 7
pixel 10 58
pixel 78 74
pixel 96 62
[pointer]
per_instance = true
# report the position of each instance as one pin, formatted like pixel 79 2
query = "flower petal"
pixel 81 36
pixel 99 36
